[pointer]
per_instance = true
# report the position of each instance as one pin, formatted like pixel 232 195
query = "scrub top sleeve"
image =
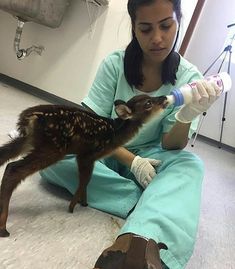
pixel 101 95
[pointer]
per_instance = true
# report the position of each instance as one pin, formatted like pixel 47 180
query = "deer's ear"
pixel 122 110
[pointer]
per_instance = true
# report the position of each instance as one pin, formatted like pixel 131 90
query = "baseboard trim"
pixel 215 143
pixel 44 95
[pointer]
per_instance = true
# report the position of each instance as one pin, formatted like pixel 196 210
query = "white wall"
pixel 187 11
pixel 206 44
pixel 68 65
pixel 210 32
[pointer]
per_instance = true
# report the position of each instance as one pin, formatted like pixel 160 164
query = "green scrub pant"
pixel 166 211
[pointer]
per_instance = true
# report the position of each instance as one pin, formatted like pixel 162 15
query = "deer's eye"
pixel 148 104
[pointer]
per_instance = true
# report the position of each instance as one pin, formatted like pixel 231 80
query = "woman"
pixel 160 204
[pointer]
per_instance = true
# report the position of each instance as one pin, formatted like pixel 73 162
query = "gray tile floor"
pixel 44 235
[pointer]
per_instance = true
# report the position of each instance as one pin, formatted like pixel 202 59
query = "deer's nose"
pixel 160 100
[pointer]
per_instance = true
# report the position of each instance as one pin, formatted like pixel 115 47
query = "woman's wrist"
pixel 124 156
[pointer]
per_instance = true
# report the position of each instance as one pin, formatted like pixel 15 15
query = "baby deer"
pixel 48 132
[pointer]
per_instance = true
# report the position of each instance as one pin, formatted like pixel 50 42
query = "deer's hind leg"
pixel 85 171
pixel 17 171
pixel 12 149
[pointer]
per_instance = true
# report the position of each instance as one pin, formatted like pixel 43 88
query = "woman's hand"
pixel 144 170
pixel 203 96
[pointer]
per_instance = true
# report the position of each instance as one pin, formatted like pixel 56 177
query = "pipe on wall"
pixel 22 53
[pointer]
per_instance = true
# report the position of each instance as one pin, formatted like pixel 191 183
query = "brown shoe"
pixel 131 251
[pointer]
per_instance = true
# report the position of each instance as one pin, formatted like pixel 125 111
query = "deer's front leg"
pixel 85 172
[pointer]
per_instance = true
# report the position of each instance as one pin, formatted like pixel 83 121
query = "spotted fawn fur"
pixel 48 132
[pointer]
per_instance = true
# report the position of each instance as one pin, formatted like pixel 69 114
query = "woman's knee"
pixel 192 159
pixel 183 164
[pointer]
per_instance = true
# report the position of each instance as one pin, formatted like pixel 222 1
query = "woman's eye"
pixel 165 26
pixel 145 29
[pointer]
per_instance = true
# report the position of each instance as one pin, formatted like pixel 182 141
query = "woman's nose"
pixel 157 36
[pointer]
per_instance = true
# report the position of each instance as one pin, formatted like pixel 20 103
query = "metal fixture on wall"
pixel 45 12
pixel 22 53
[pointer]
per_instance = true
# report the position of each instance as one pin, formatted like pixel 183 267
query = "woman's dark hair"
pixel 134 55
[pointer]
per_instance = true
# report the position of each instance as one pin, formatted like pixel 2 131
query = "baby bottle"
pixel 183 95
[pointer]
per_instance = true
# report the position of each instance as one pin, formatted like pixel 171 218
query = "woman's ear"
pixel 122 110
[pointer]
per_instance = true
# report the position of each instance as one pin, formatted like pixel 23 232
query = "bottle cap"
pixel 179 98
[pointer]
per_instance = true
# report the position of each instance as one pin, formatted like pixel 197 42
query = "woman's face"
pixel 156 30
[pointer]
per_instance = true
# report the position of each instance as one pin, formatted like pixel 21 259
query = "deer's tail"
pixel 12 149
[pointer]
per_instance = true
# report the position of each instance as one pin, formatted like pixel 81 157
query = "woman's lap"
pixel 168 209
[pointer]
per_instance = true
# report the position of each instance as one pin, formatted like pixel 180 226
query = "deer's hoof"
pixel 4 233
pixel 84 204
pixel 71 208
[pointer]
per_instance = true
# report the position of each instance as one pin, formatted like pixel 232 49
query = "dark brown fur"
pixel 49 132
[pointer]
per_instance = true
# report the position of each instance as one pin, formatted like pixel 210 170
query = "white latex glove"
pixel 203 96
pixel 143 169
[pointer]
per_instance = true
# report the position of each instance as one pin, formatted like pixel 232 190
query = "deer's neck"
pixel 124 130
